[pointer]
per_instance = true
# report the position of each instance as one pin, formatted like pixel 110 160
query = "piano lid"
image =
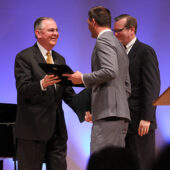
pixel 7 112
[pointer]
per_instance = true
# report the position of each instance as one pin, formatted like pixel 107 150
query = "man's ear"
pixel 37 33
pixel 132 29
pixel 93 21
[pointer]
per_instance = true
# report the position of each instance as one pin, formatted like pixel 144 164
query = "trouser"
pixel 108 132
pixel 32 154
pixel 142 148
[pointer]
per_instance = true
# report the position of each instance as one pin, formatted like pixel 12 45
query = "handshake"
pixel 63 75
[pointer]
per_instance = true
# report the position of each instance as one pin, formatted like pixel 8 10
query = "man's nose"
pixel 56 33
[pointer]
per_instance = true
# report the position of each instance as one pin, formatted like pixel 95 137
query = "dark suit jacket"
pixel 145 84
pixel 38 112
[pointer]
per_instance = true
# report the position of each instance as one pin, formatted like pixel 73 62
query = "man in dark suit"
pixel 109 81
pixel 145 85
pixel 40 125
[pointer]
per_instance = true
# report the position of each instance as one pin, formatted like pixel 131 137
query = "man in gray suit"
pixel 109 81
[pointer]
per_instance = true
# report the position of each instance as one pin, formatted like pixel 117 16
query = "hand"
pixel 143 128
pixel 75 78
pixel 88 117
pixel 49 80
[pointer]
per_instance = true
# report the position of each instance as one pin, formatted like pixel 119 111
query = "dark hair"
pixel 112 158
pixel 38 22
pixel 131 21
pixel 101 15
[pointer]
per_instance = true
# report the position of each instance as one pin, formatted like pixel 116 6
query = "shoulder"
pixel 26 50
pixel 58 56
pixel 23 57
pixel 25 54
pixel 143 51
pixel 146 53
pixel 29 51
pixel 142 47
pixel 107 38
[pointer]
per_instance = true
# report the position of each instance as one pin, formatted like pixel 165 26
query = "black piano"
pixel 7 127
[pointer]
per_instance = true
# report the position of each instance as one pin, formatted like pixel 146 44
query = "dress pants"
pixel 108 132
pixel 32 154
pixel 142 148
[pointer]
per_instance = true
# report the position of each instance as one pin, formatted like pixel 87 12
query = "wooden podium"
pixel 163 99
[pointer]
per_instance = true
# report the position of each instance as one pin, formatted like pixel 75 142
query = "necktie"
pixel 49 59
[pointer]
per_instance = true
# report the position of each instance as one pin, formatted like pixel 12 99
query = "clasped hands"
pixel 88 117
pixel 75 78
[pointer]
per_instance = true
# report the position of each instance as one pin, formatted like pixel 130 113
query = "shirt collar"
pixel 130 44
pixel 106 30
pixel 42 49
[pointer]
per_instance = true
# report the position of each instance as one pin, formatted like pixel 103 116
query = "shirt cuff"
pixel 83 80
pixel 42 86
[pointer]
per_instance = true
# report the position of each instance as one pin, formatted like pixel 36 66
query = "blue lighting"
pixel 75 44
pixel 163 116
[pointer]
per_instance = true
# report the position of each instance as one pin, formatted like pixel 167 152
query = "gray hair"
pixel 38 22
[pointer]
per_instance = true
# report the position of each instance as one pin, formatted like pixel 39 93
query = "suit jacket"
pixel 38 112
pixel 145 84
pixel 81 103
pixel 109 79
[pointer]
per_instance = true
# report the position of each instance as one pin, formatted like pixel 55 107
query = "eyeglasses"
pixel 118 30
pixel 53 30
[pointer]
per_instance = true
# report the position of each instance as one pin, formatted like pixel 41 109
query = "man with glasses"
pixel 40 126
pixel 145 84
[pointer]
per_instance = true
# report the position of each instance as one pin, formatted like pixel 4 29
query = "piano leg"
pixel 1 164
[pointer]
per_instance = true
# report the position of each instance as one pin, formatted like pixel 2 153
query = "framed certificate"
pixel 58 70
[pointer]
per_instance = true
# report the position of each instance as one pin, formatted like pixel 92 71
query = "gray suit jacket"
pixel 109 79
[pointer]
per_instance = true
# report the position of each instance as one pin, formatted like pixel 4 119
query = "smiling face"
pixel 47 34
pixel 123 34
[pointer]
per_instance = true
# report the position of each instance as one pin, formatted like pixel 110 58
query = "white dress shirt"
pixel 129 45
pixel 44 53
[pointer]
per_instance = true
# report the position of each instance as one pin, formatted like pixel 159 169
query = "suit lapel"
pixel 55 58
pixel 132 52
pixel 37 54
pixel 39 57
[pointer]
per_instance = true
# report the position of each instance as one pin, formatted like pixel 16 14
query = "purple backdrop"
pixel 75 43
